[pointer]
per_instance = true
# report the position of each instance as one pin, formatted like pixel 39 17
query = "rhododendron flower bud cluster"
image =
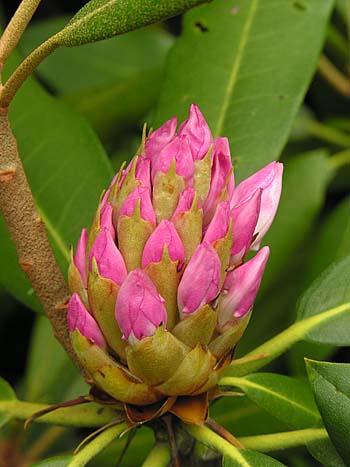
pixel 161 288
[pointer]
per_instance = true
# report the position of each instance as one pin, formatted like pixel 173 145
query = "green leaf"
pixel 331 289
pixel 54 378
pixel 333 240
pixel 57 461
pixel 6 394
pixel 305 181
pixel 239 62
pixel 101 19
pixel 273 348
pixel 242 417
pixel 251 459
pixel 325 452
pixel 288 399
pixel 113 83
pixel 330 383
pixel 67 169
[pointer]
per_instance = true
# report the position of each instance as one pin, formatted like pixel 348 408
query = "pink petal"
pixel 106 219
pixel 146 209
pixel 164 234
pixel 140 310
pixel 185 201
pixel 80 255
pixel 160 138
pixel 79 318
pixel 105 196
pixel 244 219
pixel 201 279
pixel 198 133
pixel 108 258
pixel 219 224
pixel 269 179
pixel 243 284
pixel 179 149
pixel 221 168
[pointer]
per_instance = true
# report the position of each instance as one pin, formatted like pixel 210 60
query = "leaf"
pixel 330 383
pixel 332 241
pixel 273 348
pixel 101 19
pixel 57 461
pixel 240 63
pixel 331 289
pixel 288 399
pixel 67 169
pixel 305 181
pixel 113 83
pixel 54 378
pixel 325 452
pixel 6 394
pixel 242 417
pixel 251 459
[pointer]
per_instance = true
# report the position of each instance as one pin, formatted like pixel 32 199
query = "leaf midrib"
pixel 291 402
pixel 236 67
pixel 85 18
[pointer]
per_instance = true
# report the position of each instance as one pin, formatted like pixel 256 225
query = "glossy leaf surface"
pixel 331 289
pixel 331 386
pixel 235 73
pixel 67 169
pixel 288 399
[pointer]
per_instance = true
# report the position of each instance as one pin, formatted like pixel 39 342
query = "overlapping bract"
pixel 160 290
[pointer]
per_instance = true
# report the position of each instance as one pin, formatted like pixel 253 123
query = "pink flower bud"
pixel 146 209
pixel 219 224
pixel 179 149
pixel 242 284
pixel 198 133
pixel 269 180
pixel 106 219
pixel 201 279
pixel 79 318
pixel 140 310
pixel 109 260
pixel 244 219
pixel 160 138
pixel 105 196
pixel 220 177
pixel 185 202
pixel 143 172
pixel 80 255
pixel 164 234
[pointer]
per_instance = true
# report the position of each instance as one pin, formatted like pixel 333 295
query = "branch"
pixel 283 440
pixel 16 27
pixel 28 233
pixel 24 70
pixel 159 456
pixel 87 415
pixel 97 445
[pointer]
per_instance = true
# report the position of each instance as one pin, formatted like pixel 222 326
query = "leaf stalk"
pixel 16 28
pixel 276 346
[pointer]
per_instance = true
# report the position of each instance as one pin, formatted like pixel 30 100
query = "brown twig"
pixel 28 233
pixel 78 401
pixel 220 430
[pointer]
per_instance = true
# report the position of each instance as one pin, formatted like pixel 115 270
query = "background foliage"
pixel 251 66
